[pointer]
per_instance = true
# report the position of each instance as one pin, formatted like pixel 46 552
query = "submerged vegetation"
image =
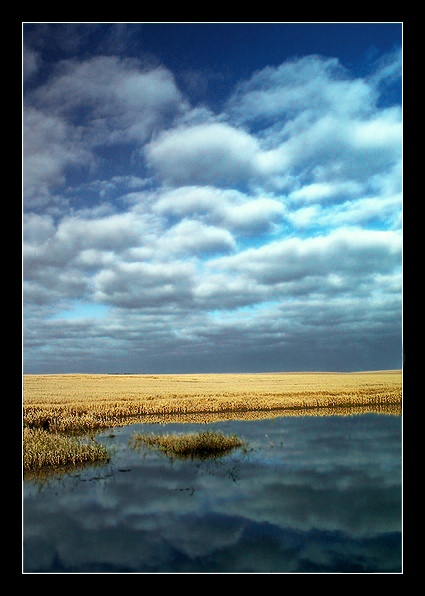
pixel 202 445
pixel 60 411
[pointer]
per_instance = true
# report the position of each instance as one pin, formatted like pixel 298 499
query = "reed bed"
pixel 58 409
pixel 202 445
pixel 44 449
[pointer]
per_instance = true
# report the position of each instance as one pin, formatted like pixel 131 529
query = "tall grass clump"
pixel 43 449
pixel 202 445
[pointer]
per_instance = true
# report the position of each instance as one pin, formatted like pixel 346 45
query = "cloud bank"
pixel 161 235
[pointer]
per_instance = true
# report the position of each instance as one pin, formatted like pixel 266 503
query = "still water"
pixel 310 495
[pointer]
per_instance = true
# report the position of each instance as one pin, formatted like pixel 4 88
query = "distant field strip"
pixel 84 402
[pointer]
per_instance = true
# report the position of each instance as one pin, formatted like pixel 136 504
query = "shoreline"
pixel 61 411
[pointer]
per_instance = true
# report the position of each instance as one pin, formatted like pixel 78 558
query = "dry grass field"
pixel 58 409
pixel 74 402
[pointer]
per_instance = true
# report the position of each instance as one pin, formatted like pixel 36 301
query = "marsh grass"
pixel 202 445
pixel 60 411
pixel 42 449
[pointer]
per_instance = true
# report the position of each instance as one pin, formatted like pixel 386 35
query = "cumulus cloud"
pixel 118 100
pixel 385 210
pixel 215 153
pixel 50 146
pixel 323 191
pixel 351 249
pixel 87 104
pixel 190 236
pixel 349 150
pixel 388 70
pixel 347 260
pixel 229 208
pixel 60 245
pixel 303 115
pixel 312 114
pixel 138 285
pixel 258 229
pixel 313 85
pixel 31 63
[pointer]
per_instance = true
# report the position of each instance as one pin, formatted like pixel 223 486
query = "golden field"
pixel 87 401
pixel 62 412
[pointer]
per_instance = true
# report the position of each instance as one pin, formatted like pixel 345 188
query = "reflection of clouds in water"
pixel 292 508
pixel 217 544
pixel 198 536
pixel 358 510
pixel 78 548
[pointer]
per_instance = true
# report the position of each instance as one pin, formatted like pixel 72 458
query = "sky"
pixel 211 197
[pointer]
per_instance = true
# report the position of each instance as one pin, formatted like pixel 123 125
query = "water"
pixel 310 495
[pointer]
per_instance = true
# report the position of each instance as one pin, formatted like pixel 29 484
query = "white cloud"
pixel 311 115
pixel 144 285
pixel 388 69
pixel 89 104
pixel 94 259
pixel 346 150
pixel 31 63
pixel 305 216
pixel 81 242
pixel 51 285
pixel 190 236
pixel 256 214
pixel 350 251
pixel 118 99
pixel 385 210
pixel 319 191
pixel 37 228
pixel 313 85
pixel 229 208
pixel 302 166
pixel 50 145
pixel 350 265
pixel 116 232
pixel 215 154
pixel 383 133
pixel 210 153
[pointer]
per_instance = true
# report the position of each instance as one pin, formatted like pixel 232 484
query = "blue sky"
pixel 212 197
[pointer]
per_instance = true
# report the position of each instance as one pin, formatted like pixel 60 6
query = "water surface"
pixel 312 494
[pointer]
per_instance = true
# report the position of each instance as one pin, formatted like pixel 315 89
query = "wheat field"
pixel 61 411
pixel 74 402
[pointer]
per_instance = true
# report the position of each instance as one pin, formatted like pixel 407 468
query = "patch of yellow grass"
pixel 90 402
pixel 201 445
pixel 43 449
pixel 57 406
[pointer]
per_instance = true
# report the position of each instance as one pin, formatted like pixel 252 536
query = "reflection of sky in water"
pixel 314 494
